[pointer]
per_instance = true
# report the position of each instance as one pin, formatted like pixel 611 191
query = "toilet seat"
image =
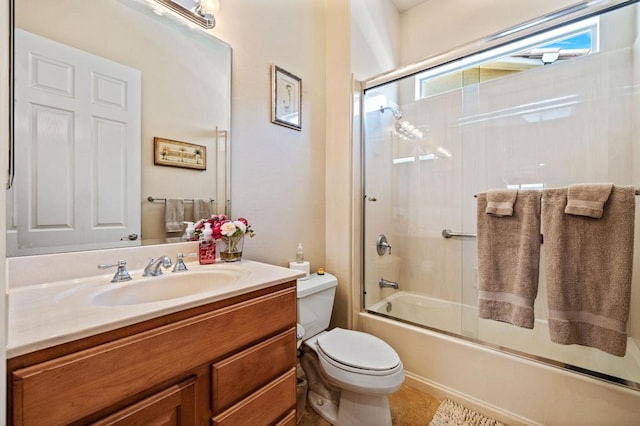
pixel 358 352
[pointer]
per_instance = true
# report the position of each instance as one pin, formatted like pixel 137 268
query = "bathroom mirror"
pixel 84 171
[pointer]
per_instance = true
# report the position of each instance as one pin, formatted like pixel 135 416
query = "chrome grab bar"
pixel 448 233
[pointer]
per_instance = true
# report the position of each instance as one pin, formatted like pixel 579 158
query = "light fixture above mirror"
pixel 200 12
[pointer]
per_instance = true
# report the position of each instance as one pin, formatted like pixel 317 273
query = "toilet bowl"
pixel 350 373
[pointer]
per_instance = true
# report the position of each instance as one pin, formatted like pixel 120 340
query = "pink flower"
pixel 217 233
pixel 223 228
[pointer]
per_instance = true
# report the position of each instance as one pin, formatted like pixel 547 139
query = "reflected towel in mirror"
pixel 201 209
pixel 174 214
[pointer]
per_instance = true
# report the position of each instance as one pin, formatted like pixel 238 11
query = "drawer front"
pixel 236 377
pixel 289 420
pixel 173 406
pixel 74 386
pixel 266 406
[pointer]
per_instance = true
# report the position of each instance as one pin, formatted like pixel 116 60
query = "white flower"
pixel 241 226
pixel 228 229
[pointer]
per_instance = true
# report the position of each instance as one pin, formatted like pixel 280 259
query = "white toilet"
pixel 350 373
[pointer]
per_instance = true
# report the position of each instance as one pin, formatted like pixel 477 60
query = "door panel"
pixel 77 131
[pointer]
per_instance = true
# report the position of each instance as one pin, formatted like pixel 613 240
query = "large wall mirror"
pixel 94 83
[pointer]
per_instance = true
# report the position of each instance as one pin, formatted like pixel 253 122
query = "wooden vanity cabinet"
pixel 228 363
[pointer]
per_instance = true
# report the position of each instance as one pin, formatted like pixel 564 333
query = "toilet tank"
pixel 315 303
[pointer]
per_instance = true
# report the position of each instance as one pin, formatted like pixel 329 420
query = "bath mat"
pixel 453 414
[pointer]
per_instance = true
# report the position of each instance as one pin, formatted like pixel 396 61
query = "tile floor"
pixel 409 407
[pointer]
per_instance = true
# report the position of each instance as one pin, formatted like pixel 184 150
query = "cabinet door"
pixel 173 406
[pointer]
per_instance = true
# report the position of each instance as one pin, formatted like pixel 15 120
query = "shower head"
pixel 397 114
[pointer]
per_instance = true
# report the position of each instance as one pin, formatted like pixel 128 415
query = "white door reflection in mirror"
pixel 77 116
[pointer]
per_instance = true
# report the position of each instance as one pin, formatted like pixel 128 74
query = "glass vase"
pixel 231 248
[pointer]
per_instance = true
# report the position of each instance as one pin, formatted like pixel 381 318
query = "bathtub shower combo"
pixel 550 108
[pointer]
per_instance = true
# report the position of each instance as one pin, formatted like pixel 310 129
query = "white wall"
pixel 277 174
pixel 292 186
pixel 375 37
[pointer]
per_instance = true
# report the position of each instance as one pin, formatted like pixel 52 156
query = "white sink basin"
pixel 166 287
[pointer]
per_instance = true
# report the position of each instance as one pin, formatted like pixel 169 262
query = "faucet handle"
pixel 180 266
pixel 121 274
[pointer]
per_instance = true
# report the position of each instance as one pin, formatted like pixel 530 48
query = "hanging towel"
pixel 174 214
pixel 509 260
pixel 201 209
pixel 587 199
pixel 500 201
pixel 588 266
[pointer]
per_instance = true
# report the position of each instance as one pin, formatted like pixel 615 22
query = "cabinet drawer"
pixel 74 386
pixel 289 420
pixel 239 375
pixel 264 407
pixel 173 406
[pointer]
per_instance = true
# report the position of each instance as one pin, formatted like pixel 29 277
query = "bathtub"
pixel 444 354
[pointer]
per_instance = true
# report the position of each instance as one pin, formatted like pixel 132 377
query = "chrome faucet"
pixel 386 283
pixel 153 267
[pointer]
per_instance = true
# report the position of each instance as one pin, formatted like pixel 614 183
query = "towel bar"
pixel 637 193
pixel 448 233
pixel 164 200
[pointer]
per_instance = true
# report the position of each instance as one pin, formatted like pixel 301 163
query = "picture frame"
pixel 286 98
pixel 167 152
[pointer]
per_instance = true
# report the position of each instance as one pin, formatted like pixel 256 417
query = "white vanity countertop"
pixel 45 315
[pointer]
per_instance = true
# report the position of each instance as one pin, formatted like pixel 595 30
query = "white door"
pixel 77 133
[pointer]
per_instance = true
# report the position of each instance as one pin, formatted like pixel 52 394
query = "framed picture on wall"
pixel 286 98
pixel 172 153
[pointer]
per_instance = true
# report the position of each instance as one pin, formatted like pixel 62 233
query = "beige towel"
pixel 201 209
pixel 587 199
pixel 588 266
pixel 509 260
pixel 500 201
pixel 174 214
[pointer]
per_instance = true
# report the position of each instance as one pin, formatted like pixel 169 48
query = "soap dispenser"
pixel 207 246
pixel 300 264
pixel 299 253
pixel 190 232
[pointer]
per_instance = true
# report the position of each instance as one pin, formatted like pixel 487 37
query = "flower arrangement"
pixel 230 232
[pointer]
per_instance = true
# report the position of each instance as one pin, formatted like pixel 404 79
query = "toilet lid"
pixel 357 349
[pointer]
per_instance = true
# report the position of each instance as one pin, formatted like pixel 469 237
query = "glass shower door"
pixel 413 176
